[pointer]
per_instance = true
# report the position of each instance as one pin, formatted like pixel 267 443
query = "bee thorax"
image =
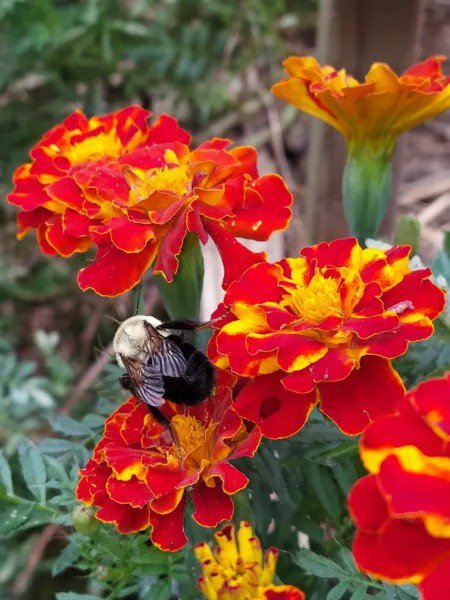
pixel 131 338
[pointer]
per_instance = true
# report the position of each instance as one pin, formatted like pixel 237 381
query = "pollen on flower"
pixel 316 300
pixel 189 433
pixel 94 148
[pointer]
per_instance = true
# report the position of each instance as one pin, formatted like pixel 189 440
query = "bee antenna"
pixel 111 318
pixel 138 300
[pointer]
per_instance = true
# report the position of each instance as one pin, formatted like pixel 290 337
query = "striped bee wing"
pixel 151 386
pixel 169 359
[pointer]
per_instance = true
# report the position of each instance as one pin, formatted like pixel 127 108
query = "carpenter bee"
pixel 160 365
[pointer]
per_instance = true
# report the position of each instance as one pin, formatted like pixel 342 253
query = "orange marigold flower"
pixel 375 111
pixel 140 473
pixel 238 569
pixel 323 327
pixel 402 509
pixel 135 190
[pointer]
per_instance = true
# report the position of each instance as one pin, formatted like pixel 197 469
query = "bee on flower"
pixel 238 569
pixel 135 190
pixel 141 473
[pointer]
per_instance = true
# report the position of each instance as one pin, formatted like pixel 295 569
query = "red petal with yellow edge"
pixel 168 503
pixel 336 253
pixel 164 477
pixel 260 284
pixel 232 479
pixel 388 345
pixel 278 412
pixel 400 551
pixel 436 586
pixel 132 492
pixel 414 494
pixel 235 348
pixel 165 130
pixel 270 213
pixel 135 424
pixel 336 365
pixel 64 243
pixel 212 505
pixel 114 272
pixel 229 249
pixel 429 68
pixel 129 237
pixel 170 248
pixel 283 592
pixel 66 191
pixel 42 241
pixel 432 400
pixel 369 392
pixel 167 530
pixel 123 460
pixel 366 327
pixel 300 382
pixel 405 429
pixel 75 223
pixel 126 518
pixel 291 348
pixel 249 446
pixel 366 504
pixel 31 219
pixel 415 294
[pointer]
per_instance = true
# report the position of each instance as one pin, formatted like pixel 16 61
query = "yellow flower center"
pixel 188 432
pixel 315 301
pixel 94 148
pixel 175 179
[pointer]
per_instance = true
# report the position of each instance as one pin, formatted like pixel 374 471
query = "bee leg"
pixel 164 421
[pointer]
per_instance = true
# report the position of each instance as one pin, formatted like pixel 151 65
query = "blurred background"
pixel 210 63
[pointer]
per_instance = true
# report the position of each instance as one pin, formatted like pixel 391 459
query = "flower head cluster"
pixel 140 473
pixel 238 569
pixel 135 190
pixel 375 111
pixel 402 509
pixel 323 327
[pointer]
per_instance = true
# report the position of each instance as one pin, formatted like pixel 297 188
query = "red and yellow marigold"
pixel 140 473
pixel 323 327
pixel 402 509
pixel 375 111
pixel 135 190
pixel 237 569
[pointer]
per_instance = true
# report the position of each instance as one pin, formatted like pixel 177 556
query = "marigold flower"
pixel 375 111
pixel 323 327
pixel 402 509
pixel 140 473
pixel 238 569
pixel 135 190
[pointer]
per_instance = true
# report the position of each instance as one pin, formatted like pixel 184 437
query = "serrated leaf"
pixel 320 566
pixel 160 590
pixel 55 446
pixel 359 594
pixel 325 489
pixel 70 427
pixel 338 591
pixel 66 558
pixel 75 596
pixel 5 474
pixel 17 514
pixel 33 469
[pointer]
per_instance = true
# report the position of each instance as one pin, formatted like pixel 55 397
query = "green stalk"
pixel 366 190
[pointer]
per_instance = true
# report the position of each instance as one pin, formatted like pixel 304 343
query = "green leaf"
pixel 75 596
pixel 68 426
pixel 5 474
pixel 338 591
pixel 66 559
pixel 17 514
pixel 33 469
pixel 160 590
pixel 55 446
pixel 325 489
pixel 359 594
pixel 320 566
pixel 408 232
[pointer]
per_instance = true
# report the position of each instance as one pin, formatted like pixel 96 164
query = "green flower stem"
pixel 366 190
pixel 182 297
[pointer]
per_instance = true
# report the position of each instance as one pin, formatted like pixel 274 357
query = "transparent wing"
pixel 169 359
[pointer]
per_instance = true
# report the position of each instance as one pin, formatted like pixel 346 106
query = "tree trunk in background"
pixel 353 34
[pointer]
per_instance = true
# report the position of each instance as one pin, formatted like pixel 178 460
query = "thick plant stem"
pixel 182 296
pixel 366 190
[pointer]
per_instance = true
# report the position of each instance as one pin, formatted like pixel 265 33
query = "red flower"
pixel 139 476
pixel 402 509
pixel 135 190
pixel 323 327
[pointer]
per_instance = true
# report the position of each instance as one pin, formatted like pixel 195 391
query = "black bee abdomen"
pixel 198 381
